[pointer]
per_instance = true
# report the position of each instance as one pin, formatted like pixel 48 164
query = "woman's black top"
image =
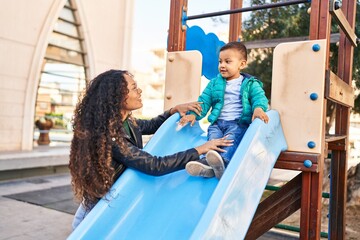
pixel 140 160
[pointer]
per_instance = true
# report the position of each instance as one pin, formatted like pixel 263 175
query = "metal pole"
pixel 247 9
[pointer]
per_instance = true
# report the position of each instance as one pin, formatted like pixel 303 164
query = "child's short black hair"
pixel 236 46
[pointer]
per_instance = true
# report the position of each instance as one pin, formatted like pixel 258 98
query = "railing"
pixel 294 228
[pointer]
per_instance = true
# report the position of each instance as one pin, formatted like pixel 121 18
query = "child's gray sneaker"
pixel 199 169
pixel 215 161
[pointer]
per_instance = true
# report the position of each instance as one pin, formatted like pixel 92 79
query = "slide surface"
pixel 179 206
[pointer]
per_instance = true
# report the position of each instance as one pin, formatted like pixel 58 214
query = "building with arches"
pixel 42 41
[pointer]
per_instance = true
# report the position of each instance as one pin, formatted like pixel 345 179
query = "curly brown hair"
pixel 97 125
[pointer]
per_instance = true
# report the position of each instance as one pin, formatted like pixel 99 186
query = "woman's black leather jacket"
pixel 138 159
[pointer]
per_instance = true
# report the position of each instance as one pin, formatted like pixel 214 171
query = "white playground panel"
pixel 183 77
pixel 299 71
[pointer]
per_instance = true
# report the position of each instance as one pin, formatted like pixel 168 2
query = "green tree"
pixel 356 67
pixel 284 22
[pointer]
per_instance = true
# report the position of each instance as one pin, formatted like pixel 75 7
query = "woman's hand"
pixel 214 144
pixel 182 109
pixel 187 119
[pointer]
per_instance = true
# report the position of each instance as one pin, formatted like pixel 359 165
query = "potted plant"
pixel 44 125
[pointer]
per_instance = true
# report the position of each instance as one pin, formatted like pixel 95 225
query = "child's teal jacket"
pixel 251 93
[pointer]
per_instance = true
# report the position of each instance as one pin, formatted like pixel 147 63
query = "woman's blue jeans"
pixel 80 214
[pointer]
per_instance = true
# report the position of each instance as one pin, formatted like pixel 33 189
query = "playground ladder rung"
pixel 337 90
pixel 340 18
pixel 335 138
pixel 336 142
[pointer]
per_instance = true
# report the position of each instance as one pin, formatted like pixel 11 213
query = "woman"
pixel 107 139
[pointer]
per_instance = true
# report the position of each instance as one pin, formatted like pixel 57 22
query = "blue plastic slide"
pixel 179 206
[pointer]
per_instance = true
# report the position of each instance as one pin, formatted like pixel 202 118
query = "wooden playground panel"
pixel 302 85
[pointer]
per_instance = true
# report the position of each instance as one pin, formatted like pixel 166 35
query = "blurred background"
pixel 51 49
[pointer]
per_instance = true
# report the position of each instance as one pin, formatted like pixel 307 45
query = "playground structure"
pixel 303 84
pixel 179 206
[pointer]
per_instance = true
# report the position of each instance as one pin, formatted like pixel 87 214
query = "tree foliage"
pixel 282 22
pixel 356 67
pixel 285 22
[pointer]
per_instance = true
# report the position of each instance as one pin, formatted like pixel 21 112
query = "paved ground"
pixel 24 221
pixel 41 207
pixel 21 221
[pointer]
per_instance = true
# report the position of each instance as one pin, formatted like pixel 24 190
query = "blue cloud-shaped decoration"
pixel 209 45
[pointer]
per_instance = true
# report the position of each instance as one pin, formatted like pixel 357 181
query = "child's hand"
pixel 187 119
pixel 259 113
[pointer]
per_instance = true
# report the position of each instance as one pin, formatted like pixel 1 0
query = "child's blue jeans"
pixel 233 129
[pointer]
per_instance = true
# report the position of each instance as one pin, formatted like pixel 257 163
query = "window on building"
pixel 63 77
